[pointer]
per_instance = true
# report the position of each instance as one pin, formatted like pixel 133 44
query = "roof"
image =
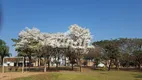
pixel 13 59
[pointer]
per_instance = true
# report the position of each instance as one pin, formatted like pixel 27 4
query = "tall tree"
pixel 112 53
pixel 110 50
pixel 81 38
pixel 4 50
pixel 94 54
pixel 26 42
pixel 31 41
pixel 137 56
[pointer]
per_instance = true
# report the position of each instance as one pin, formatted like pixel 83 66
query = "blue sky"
pixel 106 19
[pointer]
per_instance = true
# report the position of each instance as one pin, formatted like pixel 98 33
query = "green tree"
pixel 94 54
pixel 26 50
pixel 137 56
pixel 72 56
pixel 110 51
pixel 4 50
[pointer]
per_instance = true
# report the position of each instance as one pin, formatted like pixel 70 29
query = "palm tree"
pixel 4 50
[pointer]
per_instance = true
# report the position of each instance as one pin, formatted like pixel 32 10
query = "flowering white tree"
pixel 26 42
pixel 81 39
pixel 72 44
pixel 50 45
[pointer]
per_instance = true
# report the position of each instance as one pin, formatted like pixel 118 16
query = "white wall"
pixel 10 64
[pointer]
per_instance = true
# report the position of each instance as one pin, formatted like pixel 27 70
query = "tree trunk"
pixel 65 61
pixel 97 62
pixel 45 61
pixel 80 65
pixel 57 63
pixel 2 60
pixel 127 65
pixel 29 62
pixel 48 63
pixel 139 66
pixel 72 66
pixel 117 64
pixel 38 62
pixel 24 60
pixel 80 68
pixel 109 65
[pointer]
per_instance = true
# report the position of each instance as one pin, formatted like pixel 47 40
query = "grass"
pixel 92 75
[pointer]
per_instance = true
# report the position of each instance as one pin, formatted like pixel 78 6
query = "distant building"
pixel 13 61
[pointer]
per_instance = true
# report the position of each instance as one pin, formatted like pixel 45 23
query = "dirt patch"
pixel 12 75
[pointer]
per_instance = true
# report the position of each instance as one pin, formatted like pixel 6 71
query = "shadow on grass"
pixel 137 75
pixel 52 69
pixel 103 73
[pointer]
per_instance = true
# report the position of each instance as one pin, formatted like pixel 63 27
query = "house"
pixel 13 61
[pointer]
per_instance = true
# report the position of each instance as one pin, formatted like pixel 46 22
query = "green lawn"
pixel 93 75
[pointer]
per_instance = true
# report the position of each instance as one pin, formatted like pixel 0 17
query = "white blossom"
pixel 76 38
